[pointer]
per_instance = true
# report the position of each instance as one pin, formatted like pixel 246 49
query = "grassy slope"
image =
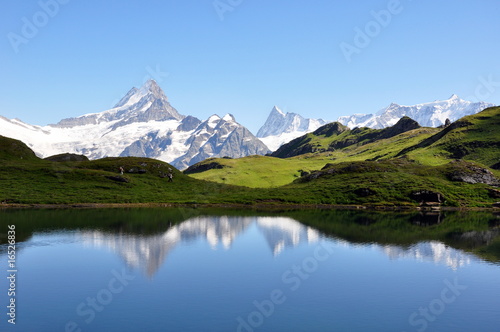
pixel 265 172
pixel 42 181
pixel 32 180
pixel 391 181
pixel 261 171
pixel 476 141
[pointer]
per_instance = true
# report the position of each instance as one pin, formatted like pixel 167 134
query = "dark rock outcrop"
pixel 330 129
pixel 202 167
pixel 137 170
pixel 426 196
pixel 496 166
pixel 67 157
pixel 365 192
pixel 118 179
pixel 403 125
pixel 470 173
pixel 494 193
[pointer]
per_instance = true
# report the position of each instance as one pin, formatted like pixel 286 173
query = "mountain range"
pixel 144 124
pixel 456 165
pixel 433 114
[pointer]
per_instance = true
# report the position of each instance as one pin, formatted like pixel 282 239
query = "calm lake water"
pixel 197 270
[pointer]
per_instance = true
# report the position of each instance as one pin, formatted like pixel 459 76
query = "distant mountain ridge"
pixel 281 128
pixel 142 124
pixel 433 114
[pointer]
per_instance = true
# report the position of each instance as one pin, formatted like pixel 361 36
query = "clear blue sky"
pixel 85 55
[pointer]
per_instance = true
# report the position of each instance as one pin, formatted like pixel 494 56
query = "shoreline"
pixel 247 206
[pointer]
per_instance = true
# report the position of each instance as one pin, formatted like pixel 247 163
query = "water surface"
pixel 192 270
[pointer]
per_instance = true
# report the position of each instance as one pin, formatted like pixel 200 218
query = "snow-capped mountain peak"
pixel 148 103
pixel 142 124
pixel 228 117
pixel 277 110
pixel 280 128
pixel 432 114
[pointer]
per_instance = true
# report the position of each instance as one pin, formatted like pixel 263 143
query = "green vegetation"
pixel 474 138
pixel 37 181
pixel 409 158
pixel 260 171
pixel 359 167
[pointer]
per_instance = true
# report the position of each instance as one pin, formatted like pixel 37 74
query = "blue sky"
pixel 245 56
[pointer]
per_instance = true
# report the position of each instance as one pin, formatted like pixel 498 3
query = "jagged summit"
pixel 280 128
pixel 432 114
pixel 142 124
pixel 277 110
pixel 148 103
pixel 150 86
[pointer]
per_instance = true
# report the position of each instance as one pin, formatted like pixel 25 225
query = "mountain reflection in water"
pixel 148 253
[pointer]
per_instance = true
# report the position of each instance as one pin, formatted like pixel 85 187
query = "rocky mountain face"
pixel 433 114
pixel 143 124
pixel 148 103
pixel 281 128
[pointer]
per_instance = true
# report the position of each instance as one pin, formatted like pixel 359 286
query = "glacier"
pixel 142 124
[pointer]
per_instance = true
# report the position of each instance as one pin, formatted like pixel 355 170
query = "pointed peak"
pixel 277 110
pixel 453 97
pixel 214 117
pixel 150 86
pixel 229 117
pixel 212 121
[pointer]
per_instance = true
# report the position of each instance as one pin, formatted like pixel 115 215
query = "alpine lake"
pixel 183 269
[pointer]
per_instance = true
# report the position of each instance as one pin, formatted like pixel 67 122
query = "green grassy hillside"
pixel 24 178
pixel 474 138
pixel 11 149
pixel 258 171
pixel 363 173
pixel 334 136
